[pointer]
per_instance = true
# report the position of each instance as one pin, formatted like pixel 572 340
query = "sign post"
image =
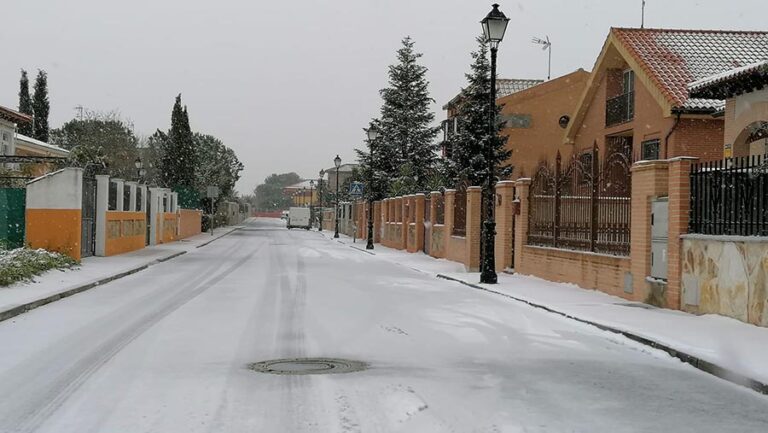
pixel 355 192
pixel 212 193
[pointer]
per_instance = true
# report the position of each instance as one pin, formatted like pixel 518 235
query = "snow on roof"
pixel 504 87
pixel 303 184
pixel 13 115
pixel 37 143
pixel 726 75
pixel 675 58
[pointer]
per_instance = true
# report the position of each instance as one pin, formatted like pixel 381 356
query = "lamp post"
pixel 494 26
pixel 311 200
pixel 337 163
pixel 140 170
pixel 320 193
pixel 373 134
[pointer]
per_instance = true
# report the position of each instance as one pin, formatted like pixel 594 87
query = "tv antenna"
pixel 546 45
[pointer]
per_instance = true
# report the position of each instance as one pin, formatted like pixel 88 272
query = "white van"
pixel 298 217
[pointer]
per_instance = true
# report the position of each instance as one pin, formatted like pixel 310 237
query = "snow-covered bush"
pixel 21 264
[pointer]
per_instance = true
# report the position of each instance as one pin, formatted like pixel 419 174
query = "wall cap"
pixel 683 158
pixel 524 181
pixel 474 188
pixel 649 165
pixel 723 238
pixel 53 173
pixel 450 190
pixel 505 182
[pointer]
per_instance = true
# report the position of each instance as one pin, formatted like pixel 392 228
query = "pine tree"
pixel 41 106
pixel 408 147
pixel 179 154
pixel 25 104
pixel 469 143
pixel 375 167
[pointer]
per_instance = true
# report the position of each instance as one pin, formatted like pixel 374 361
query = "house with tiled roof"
pixel 745 91
pixel 9 119
pixel 535 119
pixel 504 87
pixel 637 100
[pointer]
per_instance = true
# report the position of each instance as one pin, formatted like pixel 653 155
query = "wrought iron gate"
pixel 88 218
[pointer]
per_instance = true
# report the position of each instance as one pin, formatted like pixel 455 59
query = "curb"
pixel 23 308
pixel 698 363
pixel 218 237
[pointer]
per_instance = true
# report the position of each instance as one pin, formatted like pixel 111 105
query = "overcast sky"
pixel 288 85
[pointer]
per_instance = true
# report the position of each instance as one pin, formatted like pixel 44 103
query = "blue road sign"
pixel 356 189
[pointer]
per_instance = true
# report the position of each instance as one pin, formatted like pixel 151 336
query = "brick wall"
pixel 701 138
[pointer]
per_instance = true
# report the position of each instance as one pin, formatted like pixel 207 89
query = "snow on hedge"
pixel 21 264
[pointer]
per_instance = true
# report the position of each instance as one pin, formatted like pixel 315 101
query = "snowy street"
pixel 168 349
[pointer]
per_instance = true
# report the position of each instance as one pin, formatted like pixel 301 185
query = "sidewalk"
pixel 724 347
pixel 93 271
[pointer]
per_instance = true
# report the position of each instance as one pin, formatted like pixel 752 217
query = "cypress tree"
pixel 407 141
pixel 178 159
pixel 25 104
pixel 41 106
pixel 469 143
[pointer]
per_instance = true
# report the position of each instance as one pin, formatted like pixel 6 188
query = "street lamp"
pixel 140 170
pixel 337 163
pixel 311 200
pixel 494 26
pixel 373 134
pixel 320 193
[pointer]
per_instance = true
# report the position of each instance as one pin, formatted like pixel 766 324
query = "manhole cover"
pixel 296 366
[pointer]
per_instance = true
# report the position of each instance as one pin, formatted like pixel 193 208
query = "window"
pixel 650 149
pixel 517 121
pixel 628 81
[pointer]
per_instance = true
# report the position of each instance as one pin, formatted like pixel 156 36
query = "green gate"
pixel 12 207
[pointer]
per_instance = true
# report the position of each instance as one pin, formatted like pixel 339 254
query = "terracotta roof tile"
pixel 675 58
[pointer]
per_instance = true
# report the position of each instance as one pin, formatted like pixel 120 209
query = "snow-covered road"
pixel 167 349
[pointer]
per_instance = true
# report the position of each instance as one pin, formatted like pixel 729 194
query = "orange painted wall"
pixel 55 230
pixel 170 224
pixel 126 231
pixel 190 222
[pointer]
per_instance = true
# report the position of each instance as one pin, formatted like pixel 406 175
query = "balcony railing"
pixel 620 109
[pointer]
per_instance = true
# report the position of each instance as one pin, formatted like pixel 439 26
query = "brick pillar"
pixel 450 198
pixel 377 217
pixel 419 201
pixel 505 192
pixel 679 208
pixel 522 187
pixel 400 209
pixel 649 181
pixel 474 222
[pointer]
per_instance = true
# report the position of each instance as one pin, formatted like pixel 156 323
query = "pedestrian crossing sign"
pixel 356 189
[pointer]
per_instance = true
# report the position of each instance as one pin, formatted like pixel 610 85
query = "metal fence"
pixel 440 209
pixel 460 210
pixel 730 197
pixel 583 206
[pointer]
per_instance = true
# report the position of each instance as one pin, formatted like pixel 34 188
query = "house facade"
pixel 636 102
pixel 745 90
pixel 8 121
pixel 451 125
pixel 535 120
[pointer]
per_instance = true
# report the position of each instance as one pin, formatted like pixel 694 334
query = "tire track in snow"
pixel 37 398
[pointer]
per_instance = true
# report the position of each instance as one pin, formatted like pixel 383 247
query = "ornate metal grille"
pixel 460 210
pixel 730 197
pixel 582 206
